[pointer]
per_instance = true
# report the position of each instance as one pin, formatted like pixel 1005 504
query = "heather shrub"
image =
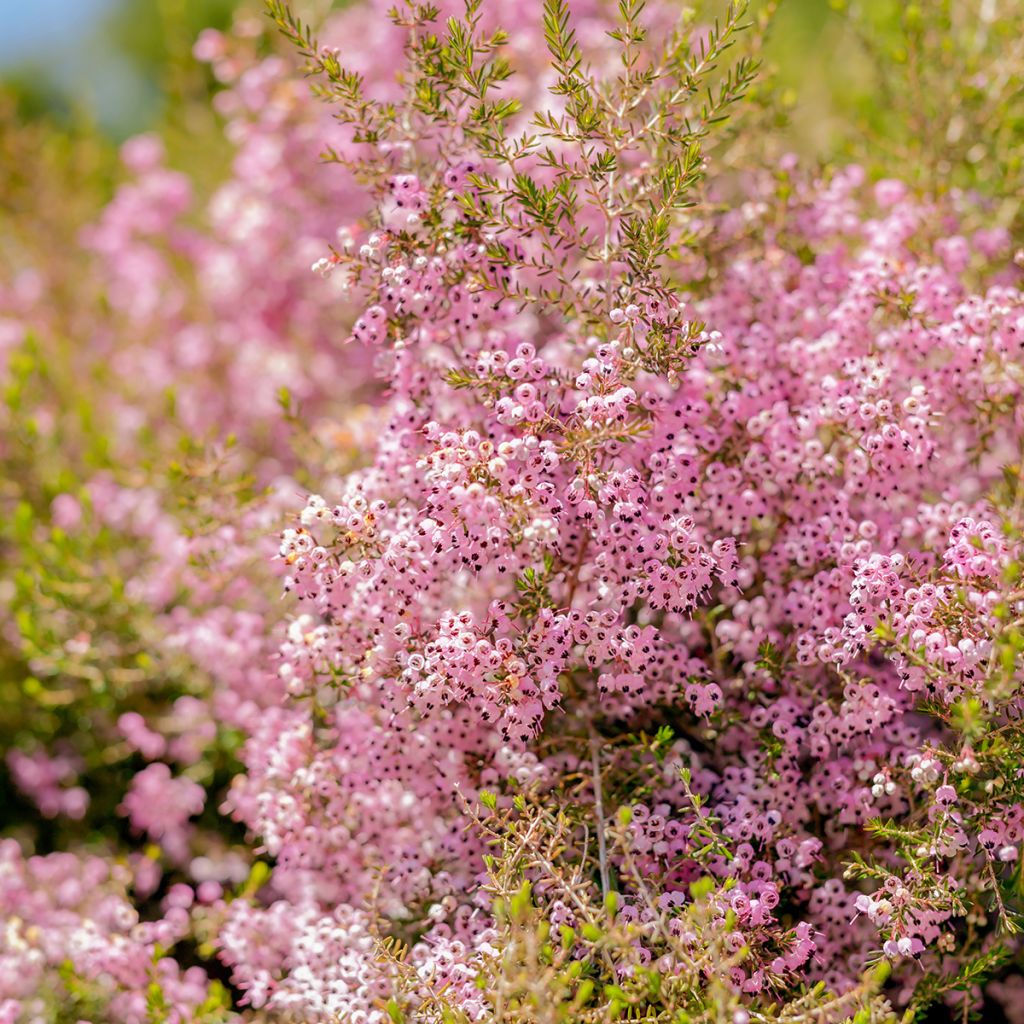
pixel 647 512
pixel 635 521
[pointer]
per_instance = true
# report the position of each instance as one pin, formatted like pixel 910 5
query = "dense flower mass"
pixel 787 553
pixel 653 621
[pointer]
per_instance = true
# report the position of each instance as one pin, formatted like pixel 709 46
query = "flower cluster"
pixel 72 936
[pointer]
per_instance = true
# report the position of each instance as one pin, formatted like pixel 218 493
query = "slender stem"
pixel 602 846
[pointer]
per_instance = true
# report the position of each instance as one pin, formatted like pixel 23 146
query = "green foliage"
pixel 80 648
pixel 590 973
pixel 927 92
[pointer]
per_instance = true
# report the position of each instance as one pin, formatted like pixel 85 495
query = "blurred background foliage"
pixel 120 62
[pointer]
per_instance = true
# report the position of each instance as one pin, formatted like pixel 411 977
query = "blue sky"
pixel 31 26
pixel 60 39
